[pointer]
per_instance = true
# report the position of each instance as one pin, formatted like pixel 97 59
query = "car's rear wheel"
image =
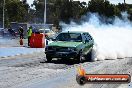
pixel 49 59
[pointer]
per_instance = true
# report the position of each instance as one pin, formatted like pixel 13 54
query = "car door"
pixel 88 42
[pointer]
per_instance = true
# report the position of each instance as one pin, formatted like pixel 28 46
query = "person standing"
pixel 29 34
pixel 21 32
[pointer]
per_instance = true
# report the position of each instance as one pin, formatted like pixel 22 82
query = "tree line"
pixel 60 10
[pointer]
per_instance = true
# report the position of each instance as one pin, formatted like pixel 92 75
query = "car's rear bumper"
pixel 62 54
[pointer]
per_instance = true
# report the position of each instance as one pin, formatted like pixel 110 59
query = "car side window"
pixel 88 37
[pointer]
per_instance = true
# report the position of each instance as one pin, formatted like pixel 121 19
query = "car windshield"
pixel 75 37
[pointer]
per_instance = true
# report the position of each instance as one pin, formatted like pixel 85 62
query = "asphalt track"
pixel 31 71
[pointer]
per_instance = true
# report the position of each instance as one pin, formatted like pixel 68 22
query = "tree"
pixel 102 7
pixel 59 10
pixel 15 11
pixel 39 10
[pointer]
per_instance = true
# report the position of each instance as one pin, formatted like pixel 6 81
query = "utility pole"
pixel 124 5
pixel 124 1
pixel 45 13
pixel 3 14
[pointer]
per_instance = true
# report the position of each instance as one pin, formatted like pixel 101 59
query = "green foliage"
pixel 103 8
pixel 15 11
pixel 39 9
pixel 1 10
pixel 66 10
pixel 129 9
pixel 59 10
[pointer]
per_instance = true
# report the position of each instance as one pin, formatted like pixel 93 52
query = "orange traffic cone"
pixel 81 71
pixel 21 42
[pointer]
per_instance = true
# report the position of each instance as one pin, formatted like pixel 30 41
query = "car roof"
pixel 74 32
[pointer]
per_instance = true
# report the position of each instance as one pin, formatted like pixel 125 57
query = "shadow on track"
pixel 63 61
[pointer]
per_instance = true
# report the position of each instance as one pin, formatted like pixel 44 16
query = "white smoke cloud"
pixel 112 41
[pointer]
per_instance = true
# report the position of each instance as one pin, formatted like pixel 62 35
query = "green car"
pixel 76 45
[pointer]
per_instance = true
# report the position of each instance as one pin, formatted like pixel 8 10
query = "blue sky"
pixel 30 1
pixel 112 1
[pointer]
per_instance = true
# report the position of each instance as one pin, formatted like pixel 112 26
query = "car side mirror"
pixel 53 39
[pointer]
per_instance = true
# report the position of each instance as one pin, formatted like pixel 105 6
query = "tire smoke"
pixel 112 41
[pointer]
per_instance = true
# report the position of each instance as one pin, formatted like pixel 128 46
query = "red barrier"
pixel 37 41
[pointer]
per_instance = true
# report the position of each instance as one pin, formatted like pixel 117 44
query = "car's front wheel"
pixel 88 57
pixel 49 59
pixel 80 57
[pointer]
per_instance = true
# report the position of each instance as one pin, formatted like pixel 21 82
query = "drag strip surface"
pixel 31 71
